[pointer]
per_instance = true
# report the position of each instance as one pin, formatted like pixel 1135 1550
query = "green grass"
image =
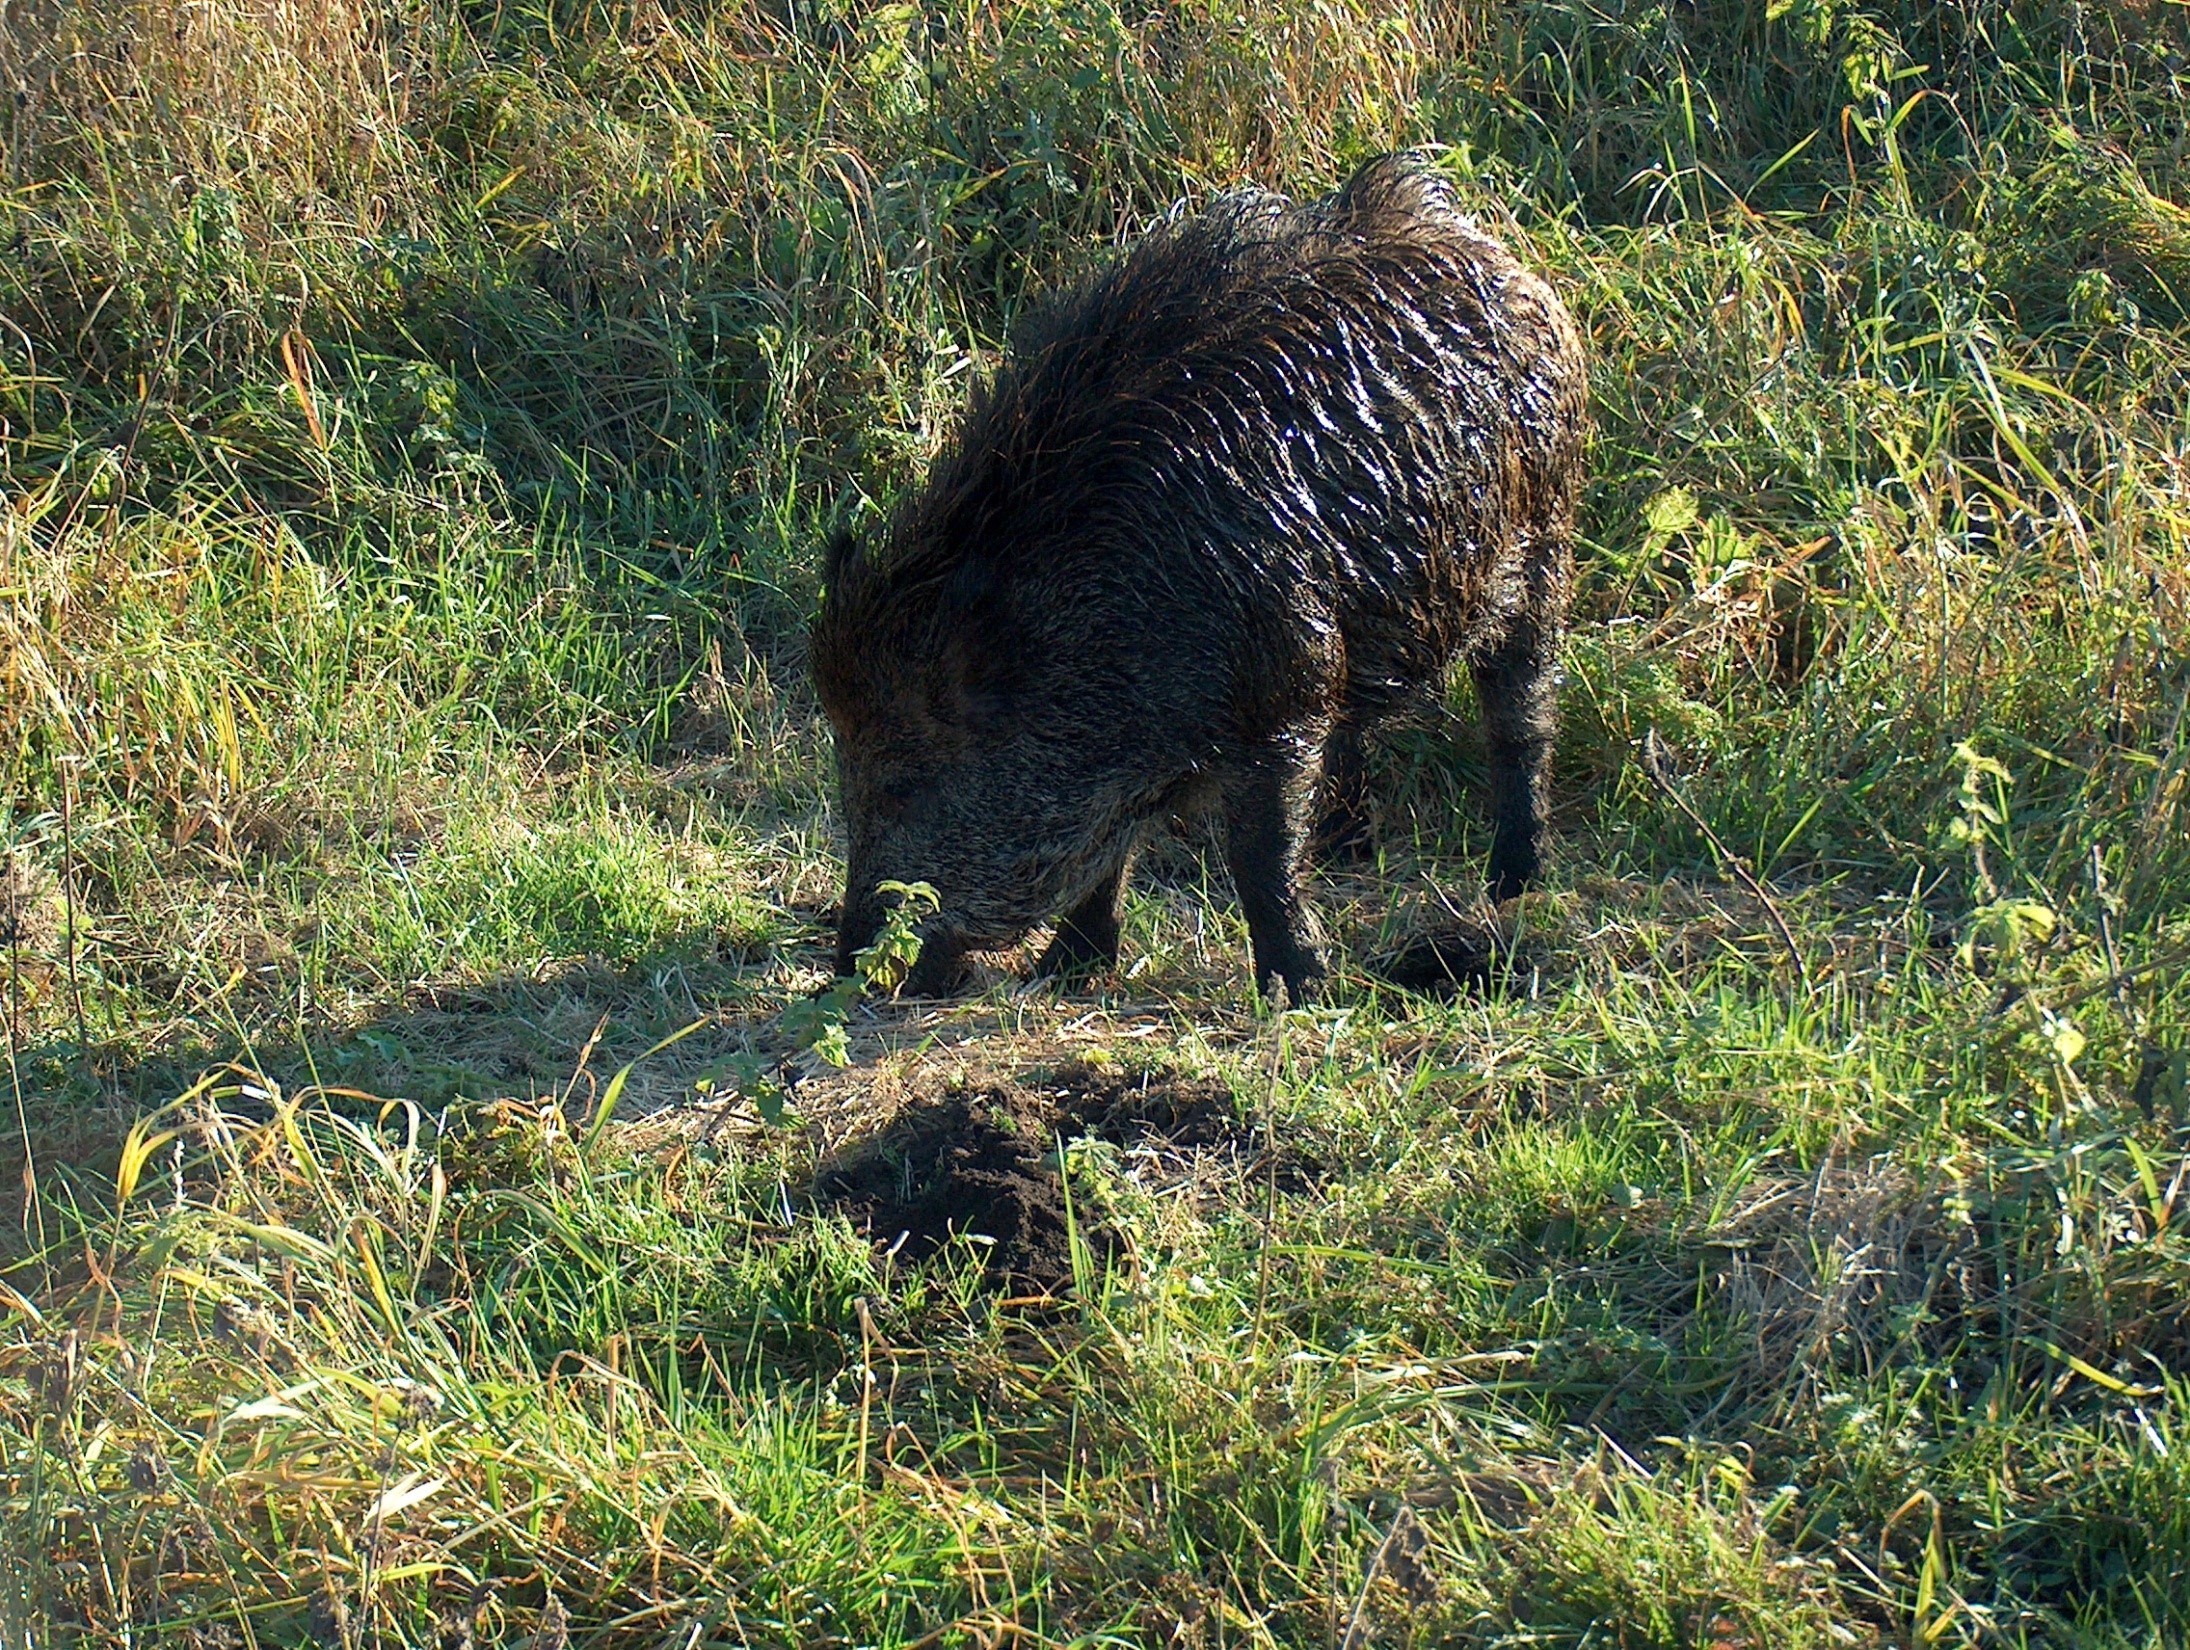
pixel 418 422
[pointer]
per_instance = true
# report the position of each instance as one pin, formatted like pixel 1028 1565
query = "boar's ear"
pixel 838 556
pixel 969 593
pixel 978 648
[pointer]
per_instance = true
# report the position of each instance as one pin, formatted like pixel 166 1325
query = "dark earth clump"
pixel 1443 965
pixel 972 1164
pixel 981 1160
pixel 1468 958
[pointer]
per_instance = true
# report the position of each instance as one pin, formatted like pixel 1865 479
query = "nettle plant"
pixel 2005 930
pixel 2009 930
pixel 814 1025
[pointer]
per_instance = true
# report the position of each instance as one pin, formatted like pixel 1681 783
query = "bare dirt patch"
pixel 981 1159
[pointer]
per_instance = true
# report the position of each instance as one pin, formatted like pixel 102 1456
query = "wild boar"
pixel 1223 507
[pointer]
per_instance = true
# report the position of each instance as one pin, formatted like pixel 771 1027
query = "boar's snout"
pixel 857 928
pixel 942 951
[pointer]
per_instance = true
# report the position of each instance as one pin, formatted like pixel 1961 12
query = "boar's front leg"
pixel 1268 804
pixel 935 972
pixel 1086 940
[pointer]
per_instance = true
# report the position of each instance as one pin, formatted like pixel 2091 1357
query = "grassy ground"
pixel 417 421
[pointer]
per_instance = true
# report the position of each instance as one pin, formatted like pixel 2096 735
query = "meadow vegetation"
pixel 418 423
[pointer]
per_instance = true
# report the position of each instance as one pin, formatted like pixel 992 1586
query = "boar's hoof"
pixel 1301 970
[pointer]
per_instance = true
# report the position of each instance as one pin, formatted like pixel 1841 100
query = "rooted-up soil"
pixel 1469 957
pixel 981 1160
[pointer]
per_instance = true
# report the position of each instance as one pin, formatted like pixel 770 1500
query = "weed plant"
pixel 418 419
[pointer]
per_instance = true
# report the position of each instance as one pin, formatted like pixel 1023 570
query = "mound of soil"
pixel 982 1161
pixel 975 1164
pixel 1471 957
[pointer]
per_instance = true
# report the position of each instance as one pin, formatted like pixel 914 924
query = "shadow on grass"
pixel 560 1030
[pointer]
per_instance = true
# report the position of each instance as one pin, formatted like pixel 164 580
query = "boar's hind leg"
pixel 1518 686
pixel 1267 806
pixel 1086 940
pixel 1343 830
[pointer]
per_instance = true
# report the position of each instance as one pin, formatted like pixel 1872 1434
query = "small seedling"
pixel 2003 926
pixel 815 1024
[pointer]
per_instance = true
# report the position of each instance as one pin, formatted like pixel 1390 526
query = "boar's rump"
pixel 1223 506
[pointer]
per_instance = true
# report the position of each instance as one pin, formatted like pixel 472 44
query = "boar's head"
pixel 965 755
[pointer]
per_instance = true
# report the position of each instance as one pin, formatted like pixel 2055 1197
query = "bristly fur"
pixel 842 550
pixel 1222 506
